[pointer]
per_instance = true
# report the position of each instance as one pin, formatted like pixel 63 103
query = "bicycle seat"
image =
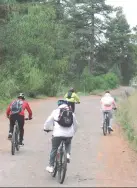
pixel 106 112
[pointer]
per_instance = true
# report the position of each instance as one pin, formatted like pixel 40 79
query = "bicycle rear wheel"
pixel 63 166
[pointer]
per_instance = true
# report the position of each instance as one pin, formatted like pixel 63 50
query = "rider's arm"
pixel 8 111
pixel 49 121
pixel 76 97
pixel 101 104
pixel 65 95
pixel 114 104
pixel 29 110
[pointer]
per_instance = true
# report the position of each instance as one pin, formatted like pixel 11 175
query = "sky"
pixel 129 7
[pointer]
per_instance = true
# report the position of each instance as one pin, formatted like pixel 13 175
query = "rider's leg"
pixel 110 119
pixel 72 106
pixel 103 118
pixel 11 126
pixel 68 145
pixel 21 127
pixel 12 122
pixel 68 148
pixel 55 144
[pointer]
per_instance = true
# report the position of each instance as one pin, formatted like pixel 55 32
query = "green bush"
pixel 89 83
pixel 111 80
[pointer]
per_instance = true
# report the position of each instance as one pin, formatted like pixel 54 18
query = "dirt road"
pixel 96 160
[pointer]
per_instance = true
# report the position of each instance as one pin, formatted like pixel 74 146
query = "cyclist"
pixel 72 97
pixel 18 114
pixel 108 104
pixel 60 131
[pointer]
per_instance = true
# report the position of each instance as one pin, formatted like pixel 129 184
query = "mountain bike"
pixel 15 138
pixel 70 105
pixel 60 165
pixel 106 128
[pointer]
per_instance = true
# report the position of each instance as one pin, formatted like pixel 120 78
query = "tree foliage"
pixel 48 45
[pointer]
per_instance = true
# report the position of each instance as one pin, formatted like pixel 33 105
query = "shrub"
pixel 126 116
pixel 102 82
pixel 111 80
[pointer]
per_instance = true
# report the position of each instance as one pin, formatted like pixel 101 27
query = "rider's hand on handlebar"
pixel 77 102
pixel 29 118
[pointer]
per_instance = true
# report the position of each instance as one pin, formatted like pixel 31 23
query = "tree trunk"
pixel 92 41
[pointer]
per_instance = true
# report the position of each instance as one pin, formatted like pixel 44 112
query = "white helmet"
pixel 107 95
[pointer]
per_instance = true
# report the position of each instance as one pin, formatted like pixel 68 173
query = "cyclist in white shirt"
pixel 108 104
pixel 59 132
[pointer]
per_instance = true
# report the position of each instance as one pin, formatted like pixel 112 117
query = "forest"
pixel 47 46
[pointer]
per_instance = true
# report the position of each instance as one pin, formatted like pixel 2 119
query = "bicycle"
pixel 60 165
pixel 15 138
pixel 106 128
pixel 106 124
pixel 70 105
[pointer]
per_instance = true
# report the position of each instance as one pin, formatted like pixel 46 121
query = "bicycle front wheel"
pixel 55 168
pixel 105 128
pixel 17 139
pixel 108 128
pixel 62 167
pixel 13 141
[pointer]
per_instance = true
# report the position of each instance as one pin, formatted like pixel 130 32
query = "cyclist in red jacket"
pixel 14 114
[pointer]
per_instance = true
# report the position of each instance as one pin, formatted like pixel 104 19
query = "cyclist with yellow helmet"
pixel 72 98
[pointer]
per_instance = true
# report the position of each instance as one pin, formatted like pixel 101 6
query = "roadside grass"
pixel 126 116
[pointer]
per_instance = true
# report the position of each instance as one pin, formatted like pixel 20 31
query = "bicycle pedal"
pixel 110 129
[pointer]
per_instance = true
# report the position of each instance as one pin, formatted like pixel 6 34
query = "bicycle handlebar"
pixel 48 130
pixel 69 103
pixel 77 102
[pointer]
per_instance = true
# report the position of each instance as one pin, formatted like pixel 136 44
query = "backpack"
pixel 69 95
pixel 107 101
pixel 16 107
pixel 65 117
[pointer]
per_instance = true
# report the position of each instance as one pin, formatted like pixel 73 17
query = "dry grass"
pixel 127 117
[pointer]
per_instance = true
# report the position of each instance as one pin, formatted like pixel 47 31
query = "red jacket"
pixel 25 106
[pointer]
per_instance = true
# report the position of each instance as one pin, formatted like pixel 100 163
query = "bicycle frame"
pixel 59 152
